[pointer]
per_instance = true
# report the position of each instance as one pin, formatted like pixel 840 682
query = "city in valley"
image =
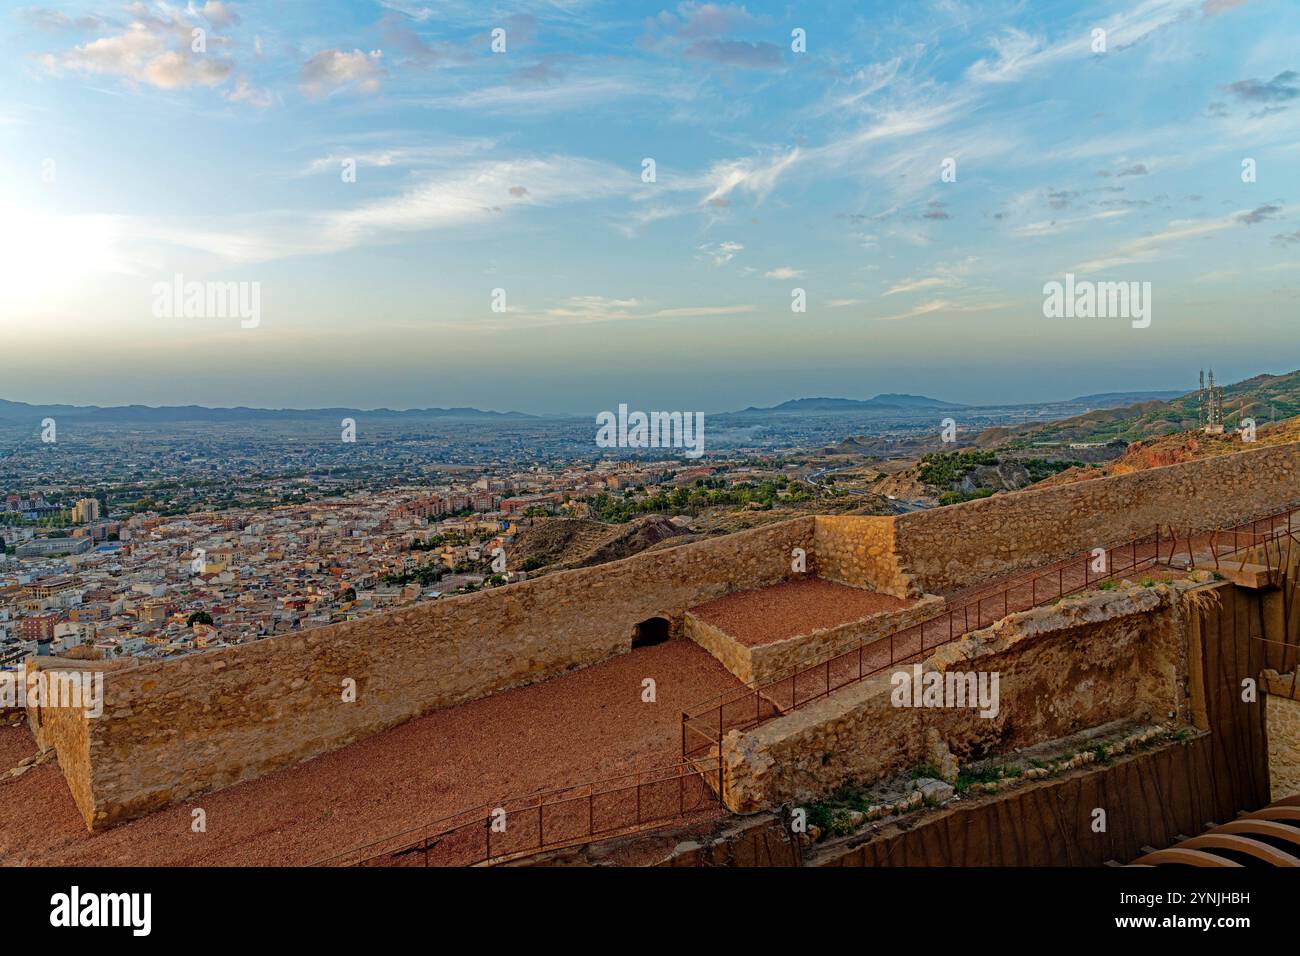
pixel 158 540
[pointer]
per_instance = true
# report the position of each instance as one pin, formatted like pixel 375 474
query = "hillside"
pixel 951 477
pixel 556 544
pixel 1174 449
pixel 1264 397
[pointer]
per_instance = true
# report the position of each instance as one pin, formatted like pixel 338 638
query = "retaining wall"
pixel 171 729
pixel 1088 661
pixel 960 545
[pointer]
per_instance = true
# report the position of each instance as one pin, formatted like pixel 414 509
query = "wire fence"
pixel 549 819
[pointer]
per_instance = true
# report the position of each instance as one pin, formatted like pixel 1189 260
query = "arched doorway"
pixel 651 631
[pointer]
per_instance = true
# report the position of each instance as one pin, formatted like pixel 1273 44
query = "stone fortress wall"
pixel 1089 661
pixel 954 547
pixel 173 729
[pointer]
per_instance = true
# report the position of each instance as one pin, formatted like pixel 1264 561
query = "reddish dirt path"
pixel 582 726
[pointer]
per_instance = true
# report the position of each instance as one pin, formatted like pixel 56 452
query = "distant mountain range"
pixel 887 402
pixel 885 405
pixel 1112 399
pixel 126 414
pixel 895 402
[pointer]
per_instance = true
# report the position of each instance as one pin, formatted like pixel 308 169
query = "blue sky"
pixel 126 158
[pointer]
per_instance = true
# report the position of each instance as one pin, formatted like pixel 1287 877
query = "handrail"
pixel 539 800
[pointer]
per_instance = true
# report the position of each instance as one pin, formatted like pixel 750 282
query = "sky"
pixel 564 206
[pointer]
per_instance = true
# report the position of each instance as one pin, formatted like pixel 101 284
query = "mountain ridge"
pixel 1263 397
pixel 24 411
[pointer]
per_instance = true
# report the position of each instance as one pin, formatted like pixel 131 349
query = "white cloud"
pixel 332 70
pixel 720 253
pixel 915 285
pixel 783 272
pixel 754 176
pixel 1015 52
pixel 216 12
pixel 141 54
pixel 471 194
pixel 246 92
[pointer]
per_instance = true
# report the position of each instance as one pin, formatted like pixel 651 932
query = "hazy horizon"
pixel 739 406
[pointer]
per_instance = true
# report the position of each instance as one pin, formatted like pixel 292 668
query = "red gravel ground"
pixel 786 610
pixel 15 744
pixel 583 726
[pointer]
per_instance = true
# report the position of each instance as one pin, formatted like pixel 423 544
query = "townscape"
pixel 155 586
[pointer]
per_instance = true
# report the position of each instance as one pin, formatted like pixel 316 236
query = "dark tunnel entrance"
pixel 650 632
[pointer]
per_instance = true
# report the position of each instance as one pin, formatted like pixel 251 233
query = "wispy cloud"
pixel 1156 246
pixel 592 310
pixel 720 253
pixel 925 308
pixel 755 176
pixel 1051 227
pixel 916 285
pixel 399 156
pixel 478 193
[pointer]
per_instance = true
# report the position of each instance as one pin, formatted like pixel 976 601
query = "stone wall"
pixel 176 728
pixel 861 551
pixel 66 730
pixel 730 653
pixel 766 662
pixel 782 657
pixel 960 545
pixel 1087 661
pixel 1282 711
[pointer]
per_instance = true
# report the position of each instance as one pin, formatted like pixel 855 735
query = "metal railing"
pixel 549 819
pixel 706 724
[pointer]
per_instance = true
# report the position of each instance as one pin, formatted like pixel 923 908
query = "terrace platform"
pixel 760 634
